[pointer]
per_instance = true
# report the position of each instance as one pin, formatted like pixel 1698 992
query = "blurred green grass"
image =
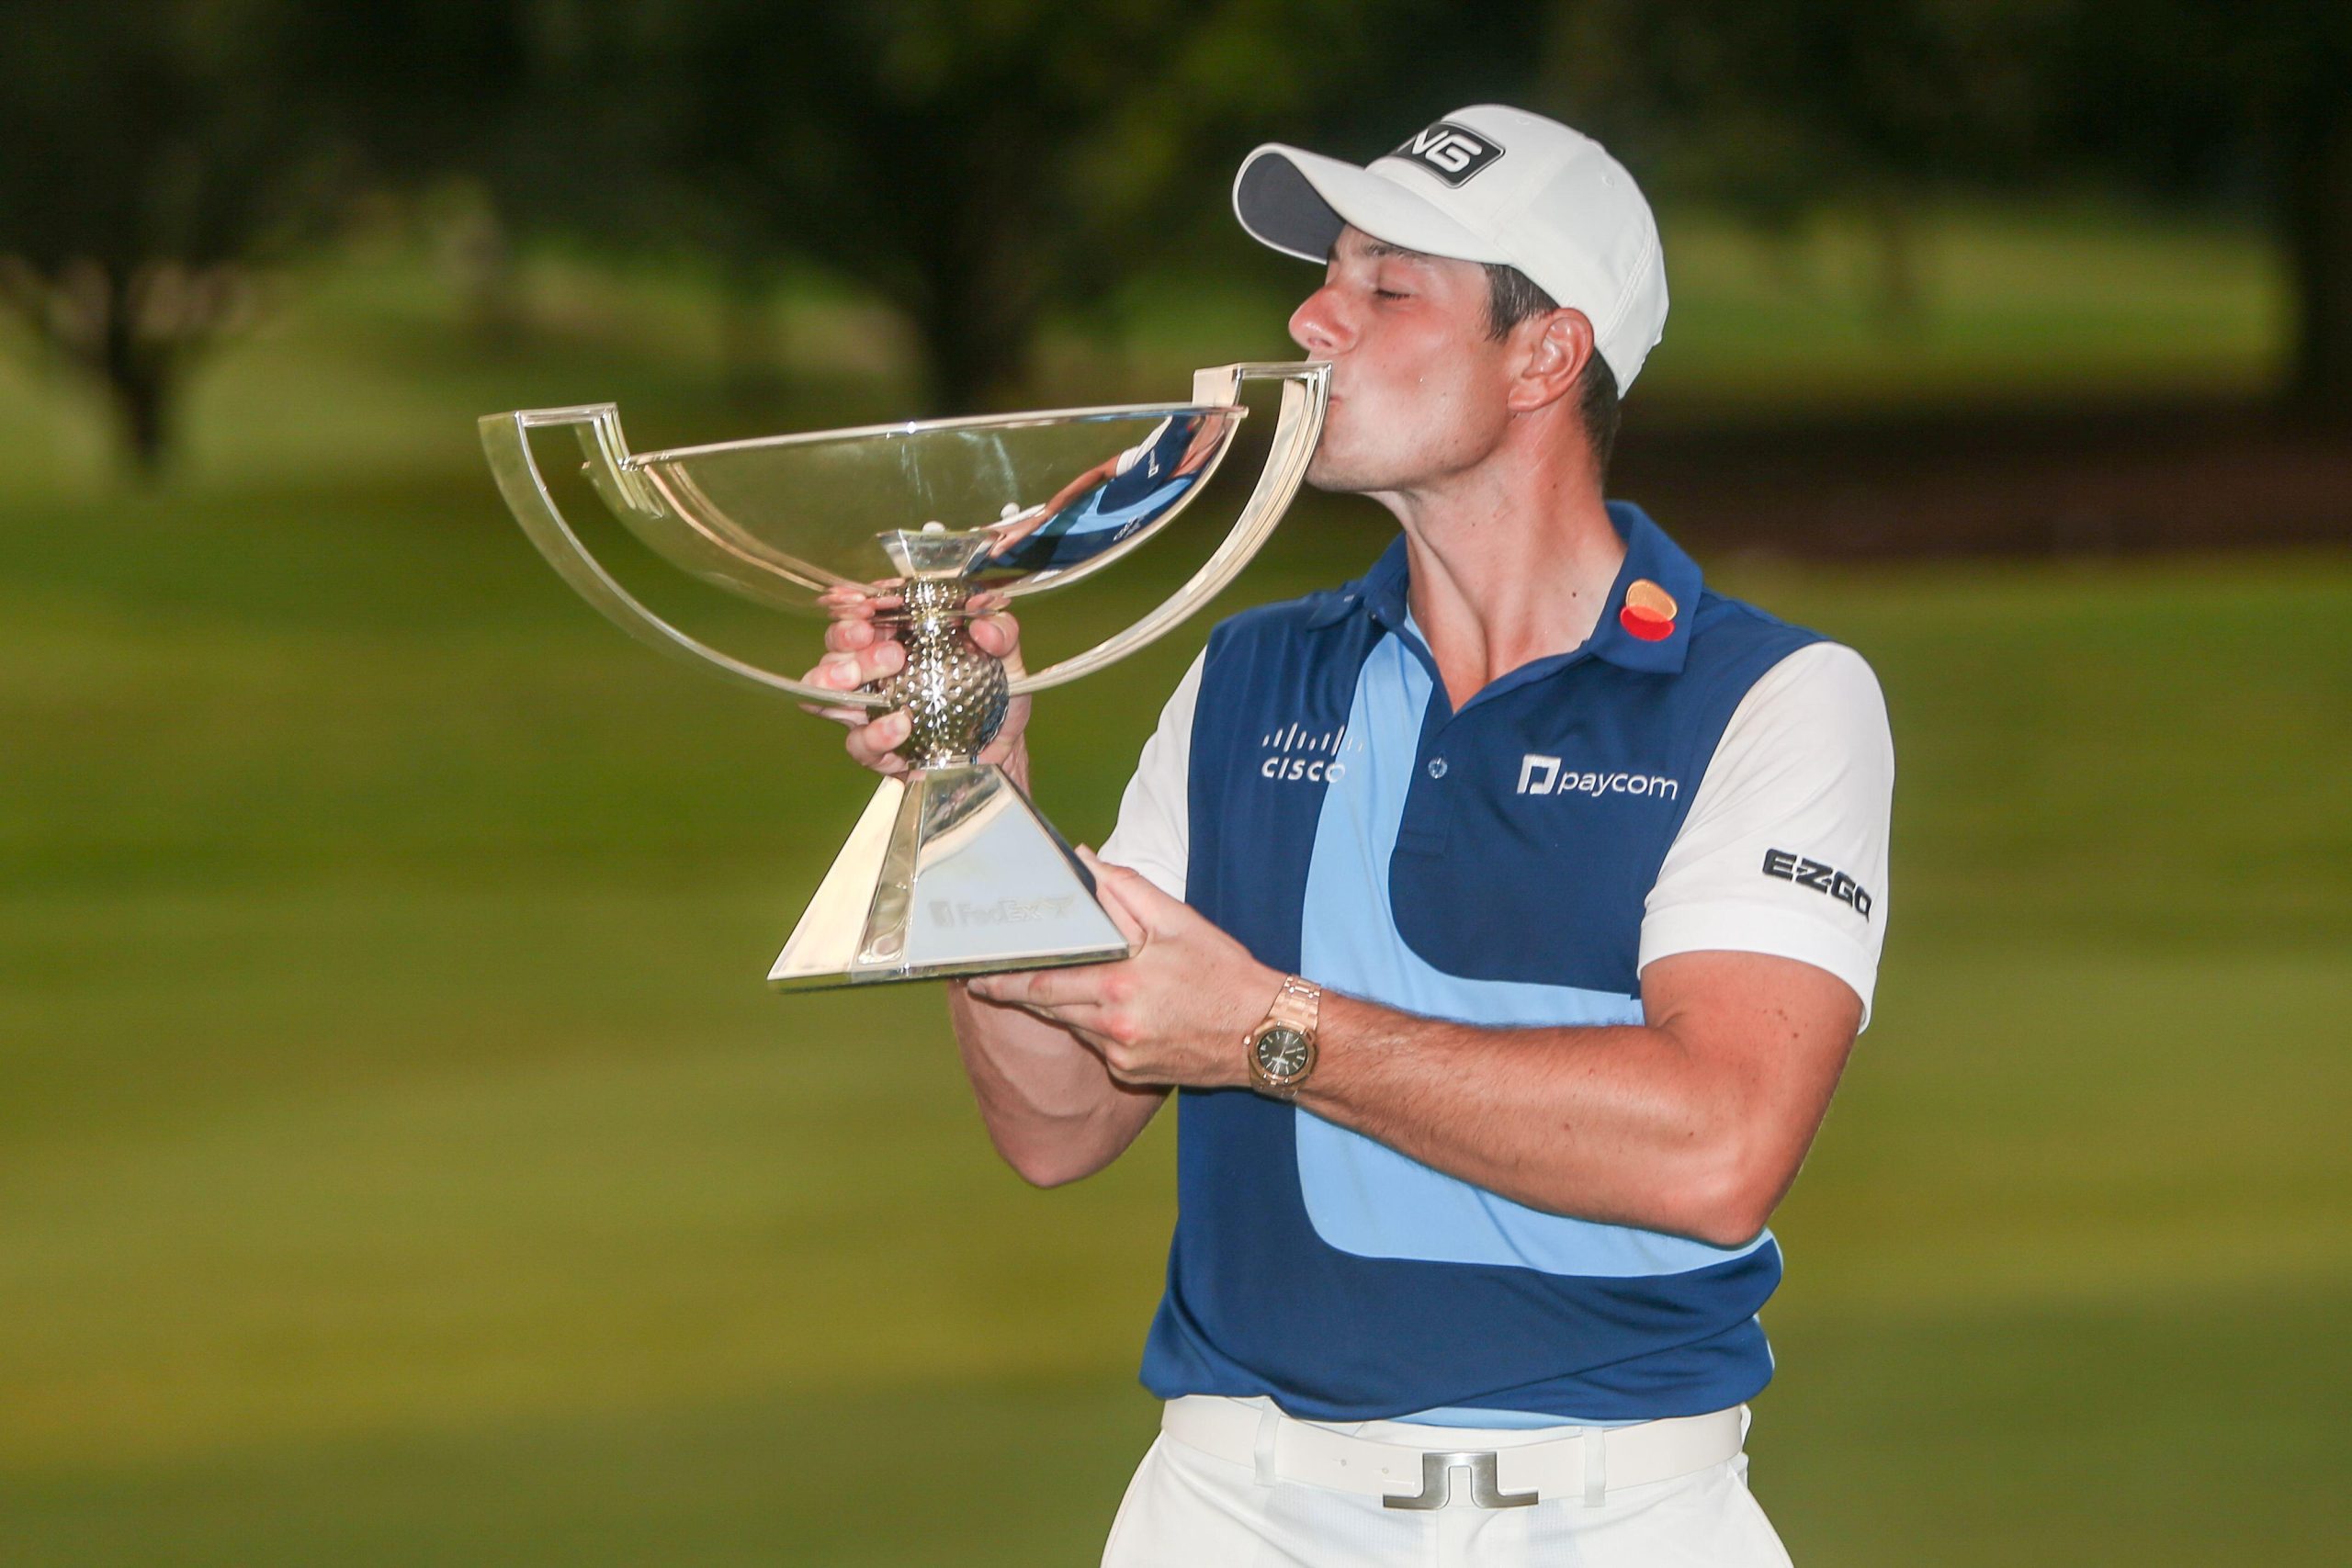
pixel 404 1162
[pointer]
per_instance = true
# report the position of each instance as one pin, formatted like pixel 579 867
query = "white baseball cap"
pixel 1485 184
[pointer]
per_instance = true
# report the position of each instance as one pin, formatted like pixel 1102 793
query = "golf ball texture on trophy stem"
pixel 954 692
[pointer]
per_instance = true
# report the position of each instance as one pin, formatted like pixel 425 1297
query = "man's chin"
pixel 1332 478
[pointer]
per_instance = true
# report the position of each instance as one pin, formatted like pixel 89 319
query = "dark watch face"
pixel 1282 1053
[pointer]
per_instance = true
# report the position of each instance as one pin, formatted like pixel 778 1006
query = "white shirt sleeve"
pixel 1784 850
pixel 1134 455
pixel 1154 834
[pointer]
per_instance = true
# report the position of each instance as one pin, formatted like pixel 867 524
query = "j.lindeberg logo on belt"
pixel 1539 774
pixel 1296 754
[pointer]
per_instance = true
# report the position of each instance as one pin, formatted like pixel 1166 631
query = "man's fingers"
pixel 847 670
pixel 991 991
pixel 853 717
pixel 1131 926
pixel 873 745
pixel 1057 990
pixel 1135 894
pixel 998 634
pixel 1115 904
pixel 860 598
pixel 871 739
pixel 848 637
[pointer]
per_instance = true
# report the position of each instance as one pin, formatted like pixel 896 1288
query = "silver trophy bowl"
pixel 950 870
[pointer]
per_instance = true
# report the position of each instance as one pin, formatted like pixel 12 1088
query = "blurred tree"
pixel 974 161
pixel 420 94
pixel 2190 97
pixel 1775 106
pixel 151 164
pixel 1771 110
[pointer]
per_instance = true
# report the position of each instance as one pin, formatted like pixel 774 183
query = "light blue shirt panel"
pixel 1362 1196
pixel 1501 1420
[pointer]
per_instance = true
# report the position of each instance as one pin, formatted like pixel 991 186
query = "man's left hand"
pixel 1175 1012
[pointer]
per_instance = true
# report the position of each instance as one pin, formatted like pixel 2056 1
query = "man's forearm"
pixel 1692 1123
pixel 1051 1108
pixel 1624 1125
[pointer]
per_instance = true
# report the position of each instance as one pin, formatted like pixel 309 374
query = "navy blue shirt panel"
pixel 1558 895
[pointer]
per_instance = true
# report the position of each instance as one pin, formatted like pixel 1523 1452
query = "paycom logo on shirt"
pixel 1540 775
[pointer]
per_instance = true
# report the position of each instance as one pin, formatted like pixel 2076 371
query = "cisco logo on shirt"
pixel 1296 755
pixel 1543 775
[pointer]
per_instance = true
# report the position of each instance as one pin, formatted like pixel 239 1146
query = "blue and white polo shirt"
pixel 1719 784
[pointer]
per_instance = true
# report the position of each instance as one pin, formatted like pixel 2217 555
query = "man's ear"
pixel 1553 352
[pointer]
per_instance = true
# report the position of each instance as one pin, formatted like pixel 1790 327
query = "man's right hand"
pixel 861 650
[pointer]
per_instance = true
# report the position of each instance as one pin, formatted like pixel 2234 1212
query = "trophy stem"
pixel 954 692
pixel 950 870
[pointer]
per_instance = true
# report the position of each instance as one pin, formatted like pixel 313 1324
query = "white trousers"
pixel 1186 1508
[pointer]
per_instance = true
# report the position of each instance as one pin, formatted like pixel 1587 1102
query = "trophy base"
pixel 950 870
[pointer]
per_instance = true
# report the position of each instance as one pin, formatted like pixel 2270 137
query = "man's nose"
pixel 1319 325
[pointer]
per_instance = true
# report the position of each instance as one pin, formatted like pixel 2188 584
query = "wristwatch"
pixel 1281 1051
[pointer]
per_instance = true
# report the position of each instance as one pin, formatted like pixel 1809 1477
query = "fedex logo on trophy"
pixel 950 913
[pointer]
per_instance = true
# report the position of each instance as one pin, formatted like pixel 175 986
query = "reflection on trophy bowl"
pixel 1015 501
pixel 951 870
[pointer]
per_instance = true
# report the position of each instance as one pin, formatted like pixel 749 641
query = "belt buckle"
pixel 1437 1483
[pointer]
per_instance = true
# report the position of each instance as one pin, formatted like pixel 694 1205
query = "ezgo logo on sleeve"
pixel 1821 878
pixel 1453 152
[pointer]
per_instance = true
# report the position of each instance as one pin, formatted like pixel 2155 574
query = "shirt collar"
pixel 1650 556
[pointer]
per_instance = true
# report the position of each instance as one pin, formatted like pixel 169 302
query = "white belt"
pixel 1506 1474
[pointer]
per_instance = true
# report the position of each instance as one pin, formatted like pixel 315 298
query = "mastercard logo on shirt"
pixel 1649 611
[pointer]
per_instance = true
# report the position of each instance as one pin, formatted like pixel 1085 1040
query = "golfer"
pixel 1502 919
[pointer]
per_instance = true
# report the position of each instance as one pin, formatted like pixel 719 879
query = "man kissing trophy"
pixel 1497 1036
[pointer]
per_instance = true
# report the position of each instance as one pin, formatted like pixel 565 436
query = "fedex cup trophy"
pixel 950 870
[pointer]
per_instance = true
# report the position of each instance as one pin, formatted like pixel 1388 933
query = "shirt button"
pixel 1437 767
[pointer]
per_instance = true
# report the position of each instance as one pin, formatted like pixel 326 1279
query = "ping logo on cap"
pixel 1453 152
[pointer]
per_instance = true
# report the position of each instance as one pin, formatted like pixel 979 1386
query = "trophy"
pixel 950 870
